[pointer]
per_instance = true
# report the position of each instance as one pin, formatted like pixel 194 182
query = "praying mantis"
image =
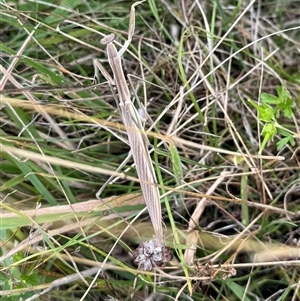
pixel 152 253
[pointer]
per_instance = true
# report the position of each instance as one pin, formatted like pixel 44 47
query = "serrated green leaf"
pixel 280 144
pixel 283 93
pixel 266 113
pixel 269 130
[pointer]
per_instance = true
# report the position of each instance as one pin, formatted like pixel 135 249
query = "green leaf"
pixel 31 279
pixel 237 290
pixel 285 103
pixel 283 93
pixel 255 105
pixel 269 98
pixel 269 130
pixel 30 175
pixel 12 182
pixel 288 112
pixel 283 132
pixel 266 113
pixel 46 73
pixel 284 141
